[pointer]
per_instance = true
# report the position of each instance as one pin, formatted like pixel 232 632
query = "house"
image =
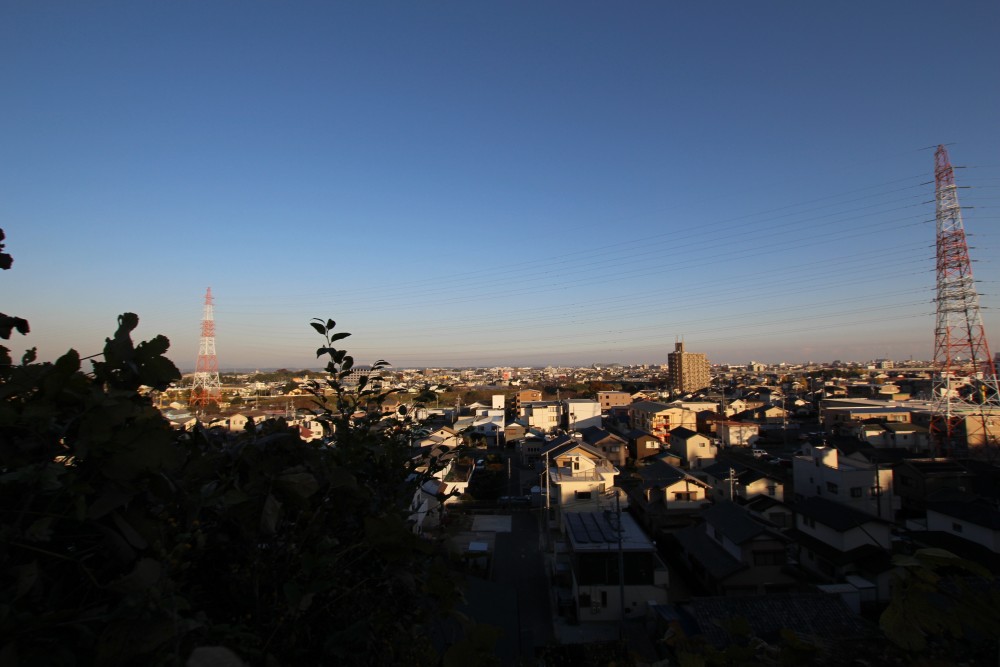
pixel 817 619
pixel 530 447
pixel 239 421
pixel 835 413
pixel 578 475
pixel 613 447
pixel 840 544
pixel 734 553
pixel 916 480
pixel 489 425
pixel 658 419
pixel 695 406
pixel 449 478
pixel 514 432
pixel 911 437
pixel 543 415
pixel 642 444
pixel 694 448
pixel 772 510
pixel 736 433
pixel 732 481
pixel 766 414
pixel 879 433
pixel 525 396
pixel 442 435
pixel 581 413
pixel 309 429
pixel 976 521
pixel 596 543
pixel 823 471
pixel 666 496
pixel 611 399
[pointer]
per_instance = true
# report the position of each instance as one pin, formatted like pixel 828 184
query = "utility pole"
pixel 621 568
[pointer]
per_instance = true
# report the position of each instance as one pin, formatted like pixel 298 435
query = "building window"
pixel 856 491
pixel 684 495
pixel 772 490
pixel 831 488
pixel 583 495
pixel 810 522
pixel 957 527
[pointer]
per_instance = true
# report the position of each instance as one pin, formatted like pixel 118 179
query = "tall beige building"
pixel 688 371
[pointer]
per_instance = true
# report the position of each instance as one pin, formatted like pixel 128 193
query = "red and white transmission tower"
pixel 206 387
pixel 965 392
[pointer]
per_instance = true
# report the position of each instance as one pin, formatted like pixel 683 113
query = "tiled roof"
pixel 868 556
pixel 702 549
pixel 836 515
pixel 659 473
pixel 736 523
pixel 810 615
pixel 979 513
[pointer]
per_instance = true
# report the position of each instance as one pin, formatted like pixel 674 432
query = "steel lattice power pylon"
pixel 206 387
pixel 965 394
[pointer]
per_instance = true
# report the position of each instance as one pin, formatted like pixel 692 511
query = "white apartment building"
pixel 542 415
pixel 825 472
pixel 581 413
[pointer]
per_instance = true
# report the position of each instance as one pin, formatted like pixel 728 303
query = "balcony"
pixel 568 475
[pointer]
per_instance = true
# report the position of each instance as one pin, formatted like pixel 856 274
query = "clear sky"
pixel 479 183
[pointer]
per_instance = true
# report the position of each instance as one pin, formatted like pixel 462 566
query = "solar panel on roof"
pixel 577 528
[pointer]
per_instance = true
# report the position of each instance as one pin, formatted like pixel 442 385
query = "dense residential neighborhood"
pixel 647 511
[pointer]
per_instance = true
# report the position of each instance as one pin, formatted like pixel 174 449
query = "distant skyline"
pixel 480 184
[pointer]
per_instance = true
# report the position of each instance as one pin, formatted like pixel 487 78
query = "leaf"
pixel 318 327
pixel 339 336
pixel 68 363
pixel 348 364
pixel 269 516
pixel 302 484
pixel 9 323
pixel 142 577
pixel 27 575
pixel 129 533
pixel 330 324
pixel 214 656
pixel 29 356
pixel 111 499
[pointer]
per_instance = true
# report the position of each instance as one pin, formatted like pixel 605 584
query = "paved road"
pixel 518 565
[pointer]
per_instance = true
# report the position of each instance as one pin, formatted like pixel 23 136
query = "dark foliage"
pixel 125 542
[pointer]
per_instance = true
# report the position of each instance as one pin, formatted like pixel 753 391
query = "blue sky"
pixel 479 183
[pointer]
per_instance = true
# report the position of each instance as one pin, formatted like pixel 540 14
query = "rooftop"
pixel 598 531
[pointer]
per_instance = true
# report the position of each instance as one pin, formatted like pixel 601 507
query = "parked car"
pixel 760 453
